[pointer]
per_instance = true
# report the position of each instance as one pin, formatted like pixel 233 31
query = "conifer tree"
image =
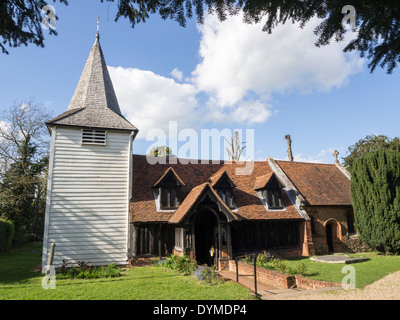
pixel 375 192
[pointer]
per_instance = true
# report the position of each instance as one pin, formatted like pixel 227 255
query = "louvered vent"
pixel 93 137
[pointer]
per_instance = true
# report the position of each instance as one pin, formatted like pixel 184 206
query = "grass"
pixel 18 282
pixel 367 272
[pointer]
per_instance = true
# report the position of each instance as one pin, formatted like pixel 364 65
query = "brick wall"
pixel 310 284
pixel 272 278
pixel 280 280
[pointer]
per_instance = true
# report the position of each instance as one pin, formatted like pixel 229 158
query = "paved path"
pixel 387 288
pixel 268 292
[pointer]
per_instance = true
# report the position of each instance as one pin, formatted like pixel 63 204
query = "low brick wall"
pixel 309 284
pixel 272 278
pixel 280 280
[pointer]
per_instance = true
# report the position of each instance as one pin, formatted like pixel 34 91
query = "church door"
pixel 206 238
pixel 329 237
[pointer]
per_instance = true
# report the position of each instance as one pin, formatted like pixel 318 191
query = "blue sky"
pixel 227 76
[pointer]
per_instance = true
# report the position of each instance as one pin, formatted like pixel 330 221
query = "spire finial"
pixel 97 34
pixel 335 154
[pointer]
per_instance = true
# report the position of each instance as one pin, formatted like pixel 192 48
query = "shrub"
pixel 182 264
pixel 6 234
pixel 277 264
pixel 206 275
pixel 85 270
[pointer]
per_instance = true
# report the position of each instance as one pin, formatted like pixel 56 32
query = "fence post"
pixel 255 273
pixel 237 269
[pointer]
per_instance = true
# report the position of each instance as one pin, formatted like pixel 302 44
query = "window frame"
pixel 273 198
pixel 169 198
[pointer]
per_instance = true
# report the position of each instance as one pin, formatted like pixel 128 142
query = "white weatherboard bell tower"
pixel 88 191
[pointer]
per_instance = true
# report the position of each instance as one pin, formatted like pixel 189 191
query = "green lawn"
pixel 17 281
pixel 366 272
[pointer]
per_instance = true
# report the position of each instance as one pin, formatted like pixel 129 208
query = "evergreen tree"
pixel 377 22
pixel 368 144
pixel 375 192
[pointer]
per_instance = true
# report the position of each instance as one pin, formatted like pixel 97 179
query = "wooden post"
pixel 255 273
pixel 289 150
pixel 51 257
pixel 237 269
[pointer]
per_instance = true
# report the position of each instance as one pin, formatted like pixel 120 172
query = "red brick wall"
pixel 280 280
pixel 337 217
pixel 272 278
pixel 310 284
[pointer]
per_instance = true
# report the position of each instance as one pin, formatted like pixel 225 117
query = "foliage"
pixel 20 23
pixel 276 264
pixel 369 144
pixel 206 275
pixel 375 192
pixel 6 234
pixel 23 167
pixel 85 270
pixel 160 151
pixel 356 246
pixel 377 22
pixel 183 264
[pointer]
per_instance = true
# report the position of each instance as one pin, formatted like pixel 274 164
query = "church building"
pixel 106 205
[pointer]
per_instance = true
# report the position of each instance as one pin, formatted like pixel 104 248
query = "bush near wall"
pixel 6 234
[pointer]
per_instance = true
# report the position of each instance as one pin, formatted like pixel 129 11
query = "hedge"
pixel 6 234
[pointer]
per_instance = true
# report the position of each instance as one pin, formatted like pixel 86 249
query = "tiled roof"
pixel 170 169
pixel 143 207
pixel 217 177
pixel 262 181
pixel 319 184
pixel 194 197
pixel 94 103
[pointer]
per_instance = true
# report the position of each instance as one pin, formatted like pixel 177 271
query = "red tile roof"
pixel 165 174
pixel 320 184
pixel 143 207
pixel 191 200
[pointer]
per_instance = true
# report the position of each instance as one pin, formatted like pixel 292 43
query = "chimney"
pixel 289 150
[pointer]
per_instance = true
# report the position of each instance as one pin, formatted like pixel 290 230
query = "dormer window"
pixel 93 137
pixel 273 198
pixel 269 187
pixel 224 186
pixel 227 196
pixel 168 187
pixel 169 198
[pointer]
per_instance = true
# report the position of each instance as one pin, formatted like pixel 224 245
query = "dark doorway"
pixel 206 235
pixel 329 237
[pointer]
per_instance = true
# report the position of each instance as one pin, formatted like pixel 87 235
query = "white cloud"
pixel 241 68
pixel 238 59
pixel 177 74
pixel 324 156
pixel 150 101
